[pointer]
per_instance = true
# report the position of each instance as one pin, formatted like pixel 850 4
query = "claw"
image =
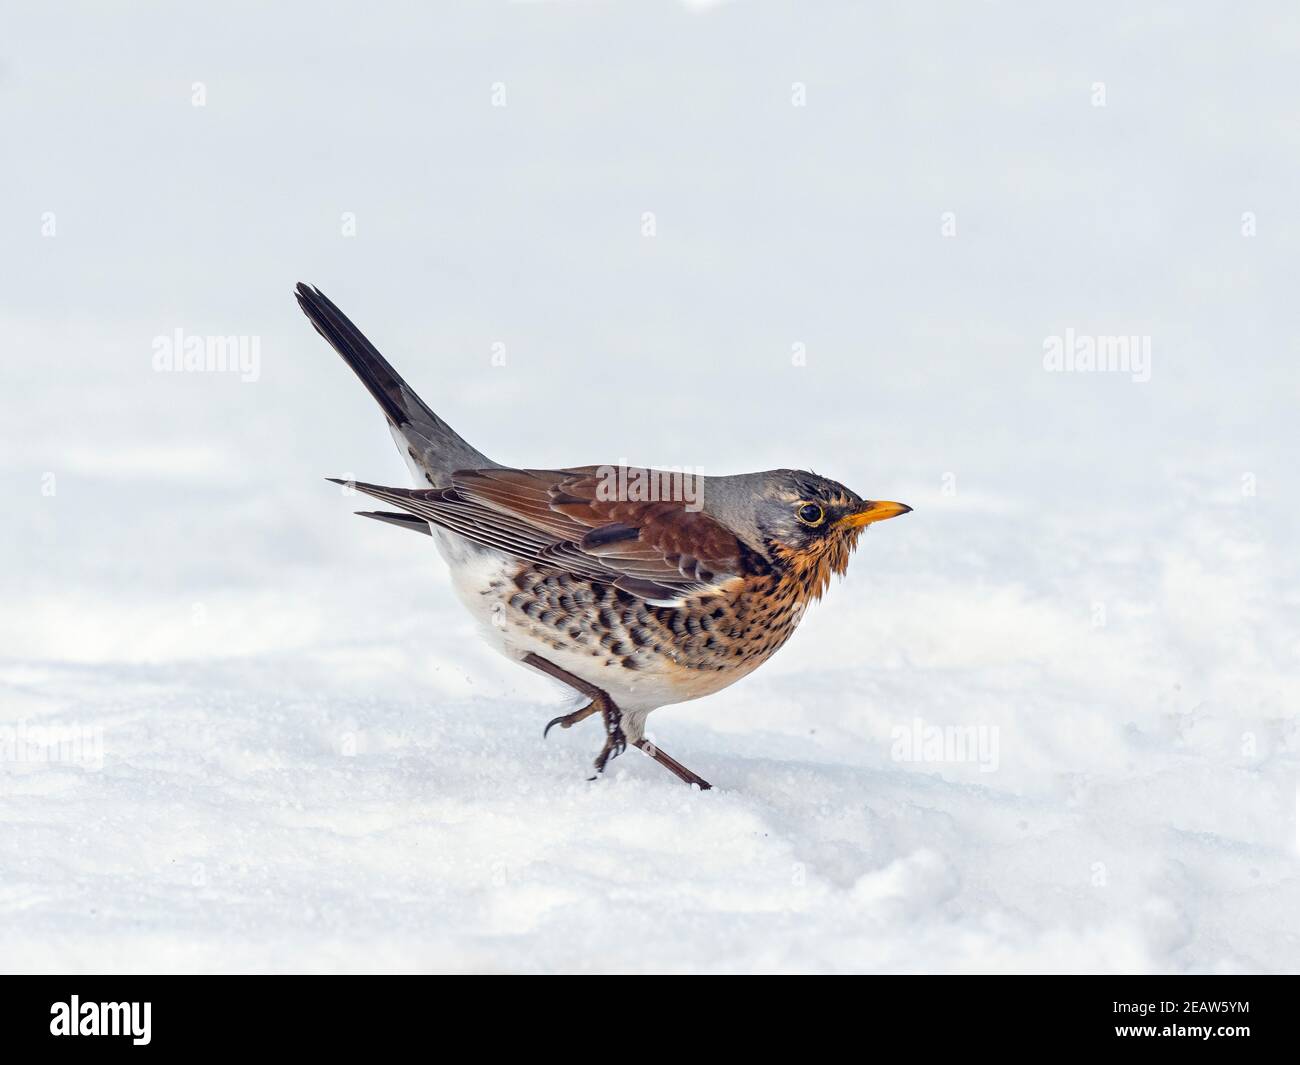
pixel 615 744
pixel 615 741
pixel 569 720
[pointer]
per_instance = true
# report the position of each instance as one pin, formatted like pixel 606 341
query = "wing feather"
pixel 658 550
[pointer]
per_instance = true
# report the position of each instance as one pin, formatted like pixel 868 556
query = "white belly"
pixel 484 581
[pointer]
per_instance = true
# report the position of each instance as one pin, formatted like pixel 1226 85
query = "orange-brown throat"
pixel 810 569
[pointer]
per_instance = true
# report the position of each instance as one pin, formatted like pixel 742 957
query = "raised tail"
pixel 432 448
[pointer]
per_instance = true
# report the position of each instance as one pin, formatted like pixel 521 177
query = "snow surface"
pixel 299 757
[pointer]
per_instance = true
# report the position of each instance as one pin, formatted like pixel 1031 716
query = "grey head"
pixel 795 517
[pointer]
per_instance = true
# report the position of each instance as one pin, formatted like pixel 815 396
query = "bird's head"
pixel 810 524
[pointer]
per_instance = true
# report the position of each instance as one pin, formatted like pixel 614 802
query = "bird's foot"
pixel 615 741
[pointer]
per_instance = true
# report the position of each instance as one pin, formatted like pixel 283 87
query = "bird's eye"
pixel 810 514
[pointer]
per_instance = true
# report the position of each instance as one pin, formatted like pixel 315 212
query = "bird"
pixel 636 588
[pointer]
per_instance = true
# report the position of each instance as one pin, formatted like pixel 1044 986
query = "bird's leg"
pixel 615 741
pixel 673 765
pixel 563 675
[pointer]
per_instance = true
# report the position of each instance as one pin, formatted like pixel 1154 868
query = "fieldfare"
pixel 637 588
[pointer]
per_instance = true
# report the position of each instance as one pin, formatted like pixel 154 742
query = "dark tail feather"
pixel 402 521
pixel 432 445
pixel 390 391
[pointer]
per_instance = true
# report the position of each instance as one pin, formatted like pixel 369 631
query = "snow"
pixel 285 748
pixel 371 794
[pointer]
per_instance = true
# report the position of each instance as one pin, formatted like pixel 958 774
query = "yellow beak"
pixel 874 511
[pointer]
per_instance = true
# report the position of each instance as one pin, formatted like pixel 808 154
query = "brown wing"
pixel 658 550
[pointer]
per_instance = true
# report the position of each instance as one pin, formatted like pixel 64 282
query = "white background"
pixel 310 762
